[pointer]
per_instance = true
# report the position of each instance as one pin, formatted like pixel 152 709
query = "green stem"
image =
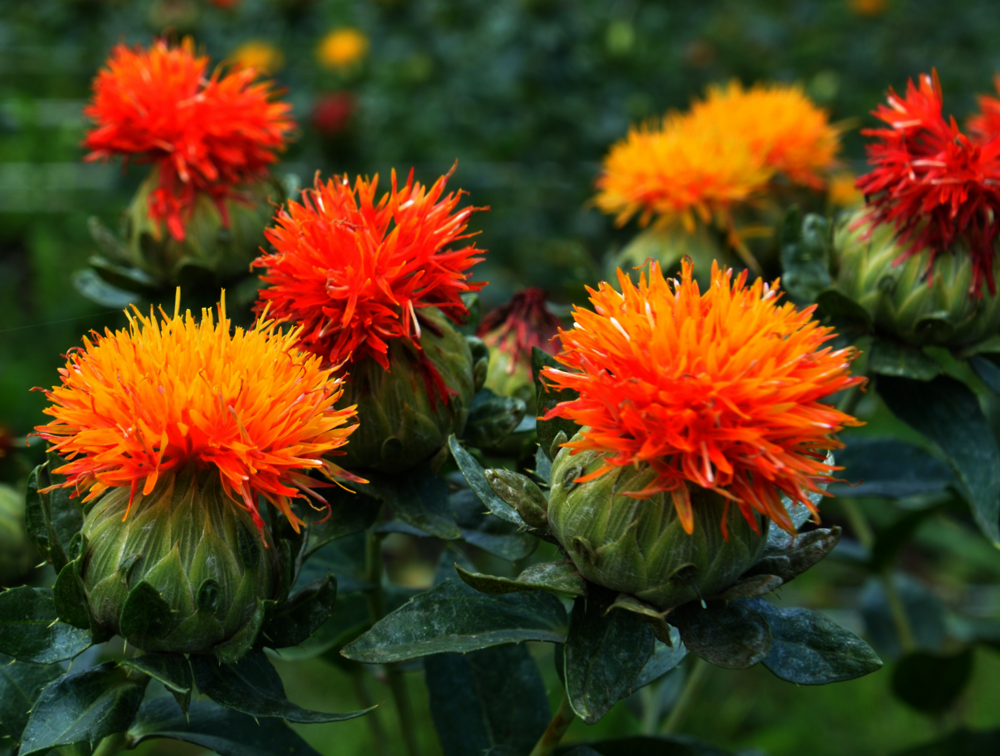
pixel 379 738
pixel 650 710
pixel 859 523
pixel 376 610
pixel 560 722
pixel 849 402
pixel 112 745
pixel 898 610
pixel 696 675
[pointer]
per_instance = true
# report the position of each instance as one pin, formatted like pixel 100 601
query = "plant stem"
pixel 558 725
pixel 696 676
pixel 849 402
pixel 376 609
pixel 650 710
pixel 112 745
pixel 379 739
pixel 859 523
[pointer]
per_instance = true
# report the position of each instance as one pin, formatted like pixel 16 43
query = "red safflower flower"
pixel 935 184
pixel 519 326
pixel 721 390
pixel 333 113
pixel 355 273
pixel 203 134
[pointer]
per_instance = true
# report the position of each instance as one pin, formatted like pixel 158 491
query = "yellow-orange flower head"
pixel 259 55
pixel 342 48
pixel 721 389
pixel 139 404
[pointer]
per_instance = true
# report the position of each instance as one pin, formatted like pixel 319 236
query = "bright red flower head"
pixel 354 273
pixel 719 389
pixel 203 133
pixel 520 325
pixel 936 185
pixel 332 113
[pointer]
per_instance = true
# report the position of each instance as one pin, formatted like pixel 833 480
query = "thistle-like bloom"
pixel 519 326
pixel 933 183
pixel 203 133
pixel 354 273
pixel 342 48
pixel 721 390
pixel 140 404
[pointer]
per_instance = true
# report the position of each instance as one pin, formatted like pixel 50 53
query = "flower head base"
pixel 205 134
pixel 933 183
pixel 342 48
pixel 719 389
pixel 141 404
pixel 355 273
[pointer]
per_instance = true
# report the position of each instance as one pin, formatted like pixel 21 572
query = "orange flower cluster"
pixel 355 273
pixel 721 389
pixel 722 153
pixel 139 404
pixel 203 134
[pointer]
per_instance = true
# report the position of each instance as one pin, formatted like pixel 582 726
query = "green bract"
pixel 16 553
pixel 505 377
pixel 400 424
pixel 638 546
pixel 912 301
pixel 186 571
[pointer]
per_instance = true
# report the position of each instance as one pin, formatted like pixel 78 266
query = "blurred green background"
pixel 527 95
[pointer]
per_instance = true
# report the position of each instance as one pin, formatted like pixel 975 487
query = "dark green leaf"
pixel 959 743
pixel 809 649
pixel 83 707
pixel 890 540
pixel 344 557
pixel 172 670
pixel 543 466
pixel 30 629
pixel 987 370
pixel 233 649
pixel 788 557
pixel 124 277
pixel 253 687
pixel 221 730
pixel 804 251
pixel 452 617
pixel 482 529
pixel 547 399
pixel 734 634
pixel 303 613
pixel 895 359
pixel 71 599
pixel 664 659
pixel 522 494
pixel 53 518
pixel 350 618
pixel 931 683
pixel 419 498
pixel 94 288
pixel 20 684
pixel 947 413
pixel 837 306
pixel 491 697
pixel 604 654
pixel 924 612
pixel 560 576
pixel 146 613
pixel 350 513
pixel 888 468
pixel 644 745
pixel 492 418
pixel 475 476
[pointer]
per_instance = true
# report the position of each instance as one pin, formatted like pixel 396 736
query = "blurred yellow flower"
pixel 868 7
pixel 843 192
pixel 259 55
pixel 342 47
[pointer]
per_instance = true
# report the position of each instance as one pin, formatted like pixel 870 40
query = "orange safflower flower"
pixel 355 273
pixel 138 404
pixel 719 390
pixel 203 133
pixel 519 326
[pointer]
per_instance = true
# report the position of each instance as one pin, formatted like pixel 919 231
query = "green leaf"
pixel 492 418
pixel 146 613
pixel 475 476
pixel 644 745
pixel 901 360
pixel 924 612
pixel 604 655
pixel 252 686
pixel 53 518
pixel 30 629
pixel 931 683
pixel 664 659
pixel 125 277
pixel 837 306
pixel 522 494
pixel 559 576
pixel 809 649
pixel 805 248
pixel 171 670
pixel 987 370
pixel 350 618
pixel 487 698
pixel 83 707
pixel 961 742
pixel 890 540
pixel 947 414
pixel 419 498
pixel 94 288
pixel 297 619
pixel 547 399
pixel 70 598
pixel 350 513
pixel 452 617
pixel 888 468
pixel 734 635
pixel 233 649
pixel 217 729
pixel 20 684
pixel 344 557
pixel 482 529
pixel 787 557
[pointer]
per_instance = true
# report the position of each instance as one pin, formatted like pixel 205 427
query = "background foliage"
pixel 526 95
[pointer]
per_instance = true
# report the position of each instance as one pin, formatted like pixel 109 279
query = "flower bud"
pixel 639 546
pixel 192 546
pixel 921 300
pixel 408 411
pixel 16 554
